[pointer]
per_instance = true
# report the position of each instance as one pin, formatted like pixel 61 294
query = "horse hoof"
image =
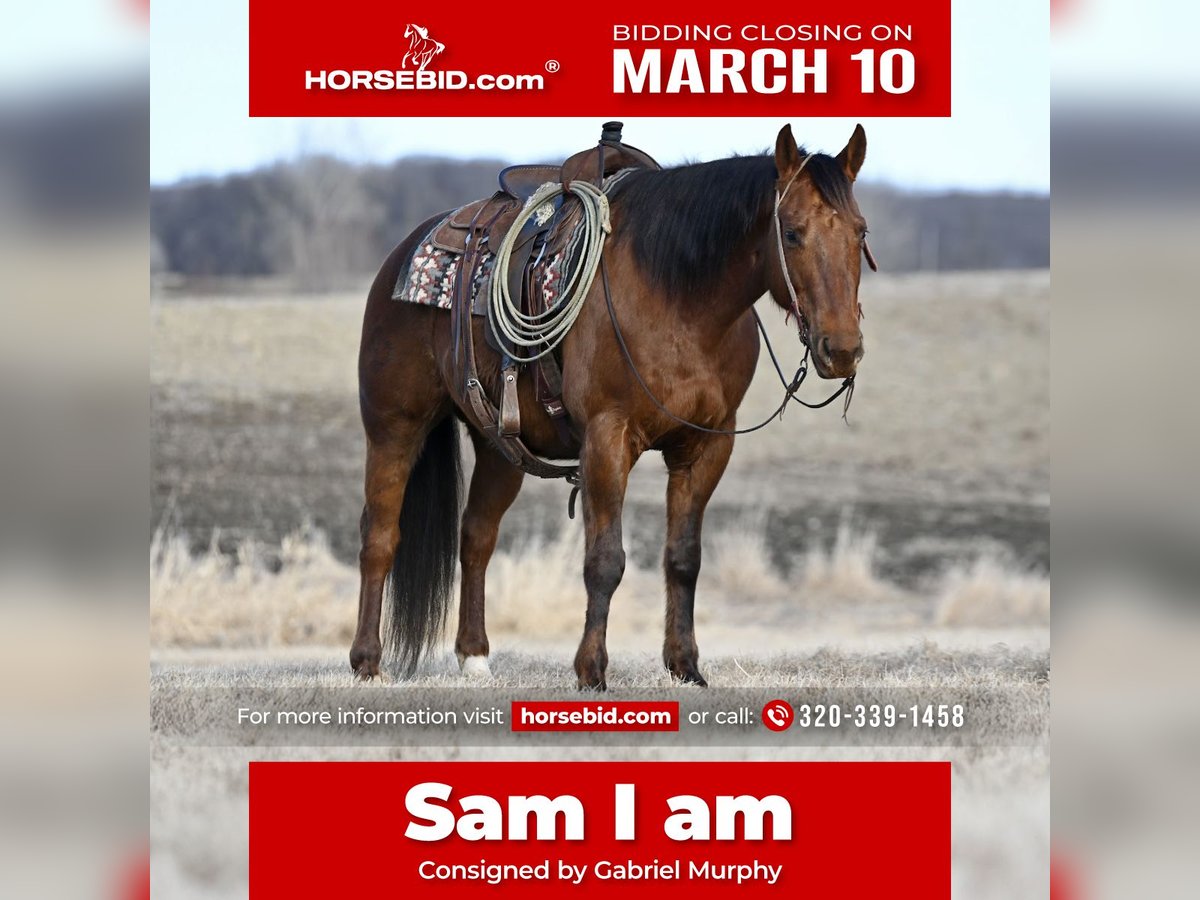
pixel 365 670
pixel 368 673
pixel 687 673
pixel 590 671
pixel 365 662
pixel 475 667
pixel 590 678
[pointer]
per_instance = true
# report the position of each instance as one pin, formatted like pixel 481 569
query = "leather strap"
pixel 510 406
pixel 502 427
pixel 471 393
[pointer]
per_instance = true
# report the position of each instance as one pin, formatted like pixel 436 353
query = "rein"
pixel 790 387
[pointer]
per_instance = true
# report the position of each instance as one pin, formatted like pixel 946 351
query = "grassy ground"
pixel 256 428
pixel 955 380
pixel 304 595
pixel 908 552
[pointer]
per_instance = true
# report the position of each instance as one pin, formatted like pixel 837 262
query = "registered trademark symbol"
pixel 552 65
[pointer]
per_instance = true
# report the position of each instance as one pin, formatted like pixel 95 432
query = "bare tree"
pixel 331 222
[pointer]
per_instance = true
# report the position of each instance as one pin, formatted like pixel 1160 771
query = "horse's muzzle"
pixel 837 356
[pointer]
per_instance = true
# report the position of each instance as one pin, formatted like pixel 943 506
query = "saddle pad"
pixel 431 274
pixel 432 271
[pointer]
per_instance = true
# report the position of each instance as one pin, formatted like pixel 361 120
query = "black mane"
pixel 686 221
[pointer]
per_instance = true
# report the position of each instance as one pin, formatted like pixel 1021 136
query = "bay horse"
pixel 692 249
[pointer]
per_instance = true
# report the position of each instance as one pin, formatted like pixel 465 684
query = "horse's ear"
pixel 787 154
pixel 854 153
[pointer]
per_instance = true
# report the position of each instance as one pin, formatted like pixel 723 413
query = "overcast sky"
pixel 998 136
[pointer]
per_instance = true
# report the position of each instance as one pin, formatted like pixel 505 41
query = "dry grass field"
pixel 928 513
pixel 908 551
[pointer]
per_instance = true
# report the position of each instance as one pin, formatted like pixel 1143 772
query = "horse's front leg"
pixel 608 455
pixel 694 470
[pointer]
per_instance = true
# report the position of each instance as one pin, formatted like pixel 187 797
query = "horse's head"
pixel 821 235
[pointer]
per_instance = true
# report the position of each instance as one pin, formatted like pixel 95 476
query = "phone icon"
pixel 778 715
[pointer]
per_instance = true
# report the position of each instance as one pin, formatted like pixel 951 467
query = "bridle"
pixel 802 323
pixel 790 387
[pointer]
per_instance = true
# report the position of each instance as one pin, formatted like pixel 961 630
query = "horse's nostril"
pixel 826 352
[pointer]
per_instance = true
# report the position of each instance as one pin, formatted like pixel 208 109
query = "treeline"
pixel 323 222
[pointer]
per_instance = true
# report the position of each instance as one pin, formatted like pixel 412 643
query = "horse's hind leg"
pixel 390 458
pixel 694 470
pixel 495 483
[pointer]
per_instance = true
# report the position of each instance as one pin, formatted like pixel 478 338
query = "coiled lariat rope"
pixel 546 330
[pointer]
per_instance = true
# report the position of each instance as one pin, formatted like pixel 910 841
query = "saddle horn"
pixel 610 132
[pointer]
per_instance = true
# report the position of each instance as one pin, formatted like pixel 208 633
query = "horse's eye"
pixel 791 236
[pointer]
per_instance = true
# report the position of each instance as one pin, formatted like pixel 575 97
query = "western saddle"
pixel 474 231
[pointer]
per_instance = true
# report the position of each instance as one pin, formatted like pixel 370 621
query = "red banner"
pixel 586 715
pixel 378 58
pixel 529 830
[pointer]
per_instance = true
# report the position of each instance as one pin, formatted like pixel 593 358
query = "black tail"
pixel 423 568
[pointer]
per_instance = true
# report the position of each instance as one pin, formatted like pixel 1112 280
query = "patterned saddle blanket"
pixel 433 271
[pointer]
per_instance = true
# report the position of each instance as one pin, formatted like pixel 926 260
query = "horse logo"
pixel 421 47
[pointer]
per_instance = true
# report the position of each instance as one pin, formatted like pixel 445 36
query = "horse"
pixel 692 249
pixel 421 48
